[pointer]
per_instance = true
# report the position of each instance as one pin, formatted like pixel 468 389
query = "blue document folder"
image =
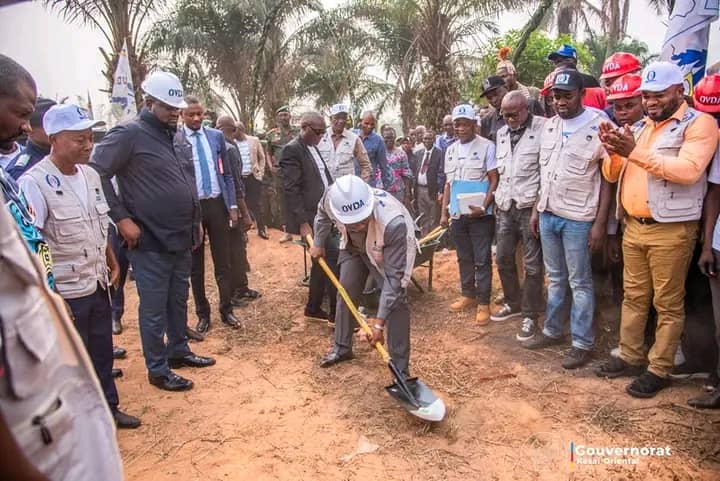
pixel 466 187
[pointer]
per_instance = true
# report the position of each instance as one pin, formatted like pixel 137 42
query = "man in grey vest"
pixel 661 184
pixel 517 154
pixel 70 210
pixel 378 238
pixel 572 211
pixel 158 217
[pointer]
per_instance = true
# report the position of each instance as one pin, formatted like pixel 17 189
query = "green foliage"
pixel 532 66
pixel 597 46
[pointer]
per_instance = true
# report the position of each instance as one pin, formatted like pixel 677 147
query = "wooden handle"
pixel 349 303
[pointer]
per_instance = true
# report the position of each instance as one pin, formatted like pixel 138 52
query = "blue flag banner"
pixel 686 40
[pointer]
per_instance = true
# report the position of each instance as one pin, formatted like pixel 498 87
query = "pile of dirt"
pixel 267 412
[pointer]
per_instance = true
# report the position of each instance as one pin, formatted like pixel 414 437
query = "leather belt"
pixel 645 220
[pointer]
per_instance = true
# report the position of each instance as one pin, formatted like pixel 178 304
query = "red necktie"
pixel 426 161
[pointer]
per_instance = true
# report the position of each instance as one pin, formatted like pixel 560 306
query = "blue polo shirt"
pixel 375 147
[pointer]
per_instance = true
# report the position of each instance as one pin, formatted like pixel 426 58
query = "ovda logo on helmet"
pixel 612 66
pixel 175 93
pixel 709 100
pixel 358 204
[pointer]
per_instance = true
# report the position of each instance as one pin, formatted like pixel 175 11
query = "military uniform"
pixel 274 201
pixel 49 395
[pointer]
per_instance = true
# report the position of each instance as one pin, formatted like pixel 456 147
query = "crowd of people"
pixel 627 165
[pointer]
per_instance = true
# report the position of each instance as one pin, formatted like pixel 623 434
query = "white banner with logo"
pixel 122 99
pixel 686 40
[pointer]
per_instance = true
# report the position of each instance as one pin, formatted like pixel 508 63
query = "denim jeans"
pixel 473 240
pixel 567 261
pixel 163 284
pixel 513 225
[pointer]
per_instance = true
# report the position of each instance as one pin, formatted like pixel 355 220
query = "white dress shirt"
pixel 203 143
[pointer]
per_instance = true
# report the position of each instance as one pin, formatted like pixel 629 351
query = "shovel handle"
pixel 349 303
pixel 432 234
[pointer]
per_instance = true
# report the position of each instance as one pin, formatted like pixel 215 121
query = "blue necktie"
pixel 204 168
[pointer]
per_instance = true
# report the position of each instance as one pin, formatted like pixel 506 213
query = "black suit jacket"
pixel 436 163
pixel 302 183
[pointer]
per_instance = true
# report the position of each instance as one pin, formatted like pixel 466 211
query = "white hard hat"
pixel 351 199
pixel 165 87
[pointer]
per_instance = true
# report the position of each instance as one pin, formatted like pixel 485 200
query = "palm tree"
pixel 118 21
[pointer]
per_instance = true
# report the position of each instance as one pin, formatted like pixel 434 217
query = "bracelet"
pixel 379 327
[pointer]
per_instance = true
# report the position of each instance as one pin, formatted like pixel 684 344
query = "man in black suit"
pixel 218 203
pixel 305 179
pixel 428 177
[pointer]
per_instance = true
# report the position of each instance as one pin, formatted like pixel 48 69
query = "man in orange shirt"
pixel 661 188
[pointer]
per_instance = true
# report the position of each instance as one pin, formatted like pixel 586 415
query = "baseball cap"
pixel 567 79
pixel 564 51
pixel 41 107
pixel 339 109
pixel 707 94
pixel 659 76
pixel 625 87
pixel 70 117
pixel 463 111
pixel 491 83
pixel 284 108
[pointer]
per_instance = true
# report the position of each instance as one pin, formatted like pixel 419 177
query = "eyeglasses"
pixel 511 115
pixel 317 132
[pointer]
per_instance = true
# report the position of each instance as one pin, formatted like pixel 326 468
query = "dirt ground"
pixel 267 412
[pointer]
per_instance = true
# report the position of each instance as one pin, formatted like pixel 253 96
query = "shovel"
pixel 411 393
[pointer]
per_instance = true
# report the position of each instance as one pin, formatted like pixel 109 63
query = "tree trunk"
pixel 408 108
pixel 565 19
pixel 530 27
pixel 438 95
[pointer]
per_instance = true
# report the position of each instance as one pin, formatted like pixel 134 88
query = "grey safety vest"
pixel 339 159
pixel 49 394
pixel 570 173
pixel 668 201
pixel 77 237
pixel 518 168
pixel 472 168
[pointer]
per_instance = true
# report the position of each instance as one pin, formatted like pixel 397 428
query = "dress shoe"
pixel 317 315
pixel 709 400
pixel 117 326
pixel 171 382
pixel 238 301
pixel 229 319
pixel 203 325
pixel 249 294
pixel 193 334
pixel 125 421
pixel 116 372
pixel 262 233
pixel 333 357
pixel 119 353
pixel 190 360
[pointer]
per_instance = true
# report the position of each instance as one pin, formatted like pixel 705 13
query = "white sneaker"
pixel 527 329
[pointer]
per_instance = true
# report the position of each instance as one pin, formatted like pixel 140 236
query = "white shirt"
pixel 714 177
pixel 320 164
pixel 29 187
pixel 244 148
pixel 422 177
pixel 205 145
pixel 464 153
pixel 570 126
pixel 6 159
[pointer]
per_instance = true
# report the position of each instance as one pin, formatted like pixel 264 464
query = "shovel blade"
pixel 423 404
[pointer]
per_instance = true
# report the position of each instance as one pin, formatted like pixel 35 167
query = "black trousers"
pixel 216 224
pixel 239 265
pixel 253 197
pixel 93 322
pixel 118 297
pixel 319 282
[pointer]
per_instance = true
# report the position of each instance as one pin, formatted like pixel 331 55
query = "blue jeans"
pixel 163 283
pixel 567 262
pixel 473 240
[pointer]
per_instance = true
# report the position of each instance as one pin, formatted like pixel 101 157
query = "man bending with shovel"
pixel 378 238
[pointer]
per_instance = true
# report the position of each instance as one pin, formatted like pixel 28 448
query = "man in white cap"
pixel 378 238
pixel 661 184
pixel 471 158
pixel 72 214
pixel 341 148
pixel 158 218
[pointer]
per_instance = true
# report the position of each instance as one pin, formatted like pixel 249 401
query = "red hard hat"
pixel 547 85
pixel 619 64
pixel 625 87
pixel 707 94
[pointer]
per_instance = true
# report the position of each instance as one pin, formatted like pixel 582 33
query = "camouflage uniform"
pixel 273 201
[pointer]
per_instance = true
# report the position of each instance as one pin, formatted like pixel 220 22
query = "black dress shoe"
pixel 229 319
pixel 125 421
pixel 171 382
pixel 333 358
pixel 316 315
pixel 116 372
pixel 238 301
pixel 193 334
pixel 116 326
pixel 203 325
pixel 263 234
pixel 710 400
pixel 249 294
pixel 119 353
pixel 191 360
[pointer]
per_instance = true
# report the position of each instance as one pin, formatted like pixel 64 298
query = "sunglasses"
pixel 317 132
